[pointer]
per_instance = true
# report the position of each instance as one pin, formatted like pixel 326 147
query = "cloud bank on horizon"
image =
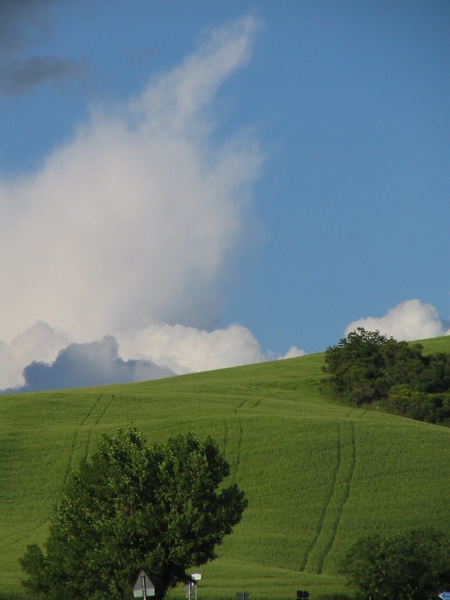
pixel 115 250
pixel 408 321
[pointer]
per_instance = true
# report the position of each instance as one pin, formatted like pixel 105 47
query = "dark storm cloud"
pixel 85 365
pixel 23 24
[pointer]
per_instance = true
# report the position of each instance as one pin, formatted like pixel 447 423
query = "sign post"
pixel 143 588
pixel 445 596
pixel 190 586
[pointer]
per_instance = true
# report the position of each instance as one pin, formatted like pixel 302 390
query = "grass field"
pixel 318 476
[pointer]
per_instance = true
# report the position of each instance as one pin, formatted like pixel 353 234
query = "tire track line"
pixel 235 464
pixel 68 469
pixel 345 496
pixel 310 550
pixel 225 438
pixel 96 423
pixel 339 492
pixel 74 441
pixel 237 460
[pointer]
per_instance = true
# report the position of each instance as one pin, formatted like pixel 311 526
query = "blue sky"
pixel 186 186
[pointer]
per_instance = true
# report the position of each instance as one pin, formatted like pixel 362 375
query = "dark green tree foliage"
pixel 356 366
pixel 369 368
pixel 414 565
pixel 132 507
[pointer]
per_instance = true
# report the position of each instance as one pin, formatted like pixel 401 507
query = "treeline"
pixel 367 368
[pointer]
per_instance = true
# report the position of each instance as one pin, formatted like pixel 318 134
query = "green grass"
pixel 318 475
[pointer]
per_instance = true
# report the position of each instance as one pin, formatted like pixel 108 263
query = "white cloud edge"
pixel 184 349
pixel 407 321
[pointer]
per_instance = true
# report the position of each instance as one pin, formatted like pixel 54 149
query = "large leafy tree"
pixel 413 565
pixel 161 508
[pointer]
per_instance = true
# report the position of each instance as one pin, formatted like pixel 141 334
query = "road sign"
pixel 143 588
pixel 445 595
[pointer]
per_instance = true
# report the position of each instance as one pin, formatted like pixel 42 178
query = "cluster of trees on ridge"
pixel 163 509
pixel 367 368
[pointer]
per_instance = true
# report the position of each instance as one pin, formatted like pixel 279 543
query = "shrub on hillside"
pixel 413 565
pixel 367 368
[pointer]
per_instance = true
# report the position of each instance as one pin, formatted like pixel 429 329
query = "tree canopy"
pixel 367 368
pixel 413 565
pixel 132 507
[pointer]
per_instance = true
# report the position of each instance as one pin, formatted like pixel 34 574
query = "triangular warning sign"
pixel 143 586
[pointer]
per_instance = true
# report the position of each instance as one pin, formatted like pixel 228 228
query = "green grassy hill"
pixel 318 475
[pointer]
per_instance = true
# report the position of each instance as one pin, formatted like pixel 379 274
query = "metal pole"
pixel 144 588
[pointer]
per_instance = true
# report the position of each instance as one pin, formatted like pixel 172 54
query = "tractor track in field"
pixel 225 437
pixel 236 460
pixel 100 416
pixel 330 516
pixel 344 497
pixel 14 539
pixel 73 446
pixel 312 545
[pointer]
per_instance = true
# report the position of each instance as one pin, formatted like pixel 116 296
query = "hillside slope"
pixel 318 476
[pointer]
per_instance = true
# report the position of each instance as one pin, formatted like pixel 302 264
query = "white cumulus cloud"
pixel 40 342
pixel 293 352
pixel 132 223
pixel 186 349
pixel 134 219
pixel 408 320
pixel 119 243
